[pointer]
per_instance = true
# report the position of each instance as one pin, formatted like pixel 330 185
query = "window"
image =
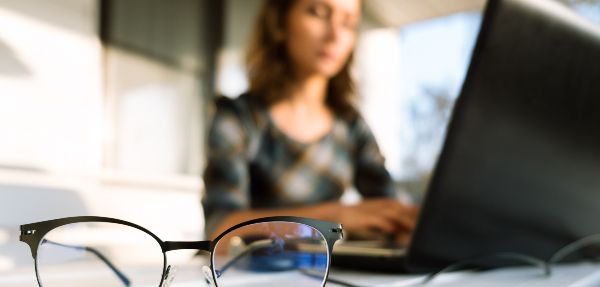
pixel 409 79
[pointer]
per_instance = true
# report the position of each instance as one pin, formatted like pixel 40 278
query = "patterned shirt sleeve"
pixel 226 177
pixel 371 178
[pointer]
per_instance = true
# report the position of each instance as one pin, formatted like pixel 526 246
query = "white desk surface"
pixel 17 270
pixel 577 275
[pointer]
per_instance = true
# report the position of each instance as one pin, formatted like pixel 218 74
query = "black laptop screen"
pixel 520 167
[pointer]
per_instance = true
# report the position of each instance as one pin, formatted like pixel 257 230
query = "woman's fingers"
pixel 401 215
pixel 383 216
pixel 404 238
pixel 381 224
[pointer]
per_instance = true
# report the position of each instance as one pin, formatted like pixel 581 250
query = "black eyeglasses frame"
pixel 33 234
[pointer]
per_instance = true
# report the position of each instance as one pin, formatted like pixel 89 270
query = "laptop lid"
pixel 520 166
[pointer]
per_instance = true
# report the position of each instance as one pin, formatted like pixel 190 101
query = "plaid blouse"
pixel 253 164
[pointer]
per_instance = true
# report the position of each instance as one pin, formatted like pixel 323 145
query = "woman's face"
pixel 320 35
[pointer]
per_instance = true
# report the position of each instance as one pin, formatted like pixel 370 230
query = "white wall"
pixel 54 127
pixel 377 65
pixel 50 82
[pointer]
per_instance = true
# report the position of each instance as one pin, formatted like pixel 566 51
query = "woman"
pixel 295 141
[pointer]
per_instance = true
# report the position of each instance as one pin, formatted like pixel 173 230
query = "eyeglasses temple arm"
pixel 98 254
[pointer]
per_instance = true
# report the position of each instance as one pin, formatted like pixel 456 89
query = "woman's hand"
pixel 377 217
pixel 371 218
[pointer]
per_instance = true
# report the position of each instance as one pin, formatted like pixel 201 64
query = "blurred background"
pixel 104 103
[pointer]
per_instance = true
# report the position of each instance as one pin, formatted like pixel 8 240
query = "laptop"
pixel 520 167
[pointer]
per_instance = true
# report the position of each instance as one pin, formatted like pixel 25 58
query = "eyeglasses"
pixel 99 251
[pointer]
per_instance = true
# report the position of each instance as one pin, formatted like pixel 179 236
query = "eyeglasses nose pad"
pixel 169 276
pixel 208 276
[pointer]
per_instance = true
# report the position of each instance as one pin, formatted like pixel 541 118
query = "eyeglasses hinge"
pixel 28 232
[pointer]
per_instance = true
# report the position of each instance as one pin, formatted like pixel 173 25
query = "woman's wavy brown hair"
pixel 270 69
